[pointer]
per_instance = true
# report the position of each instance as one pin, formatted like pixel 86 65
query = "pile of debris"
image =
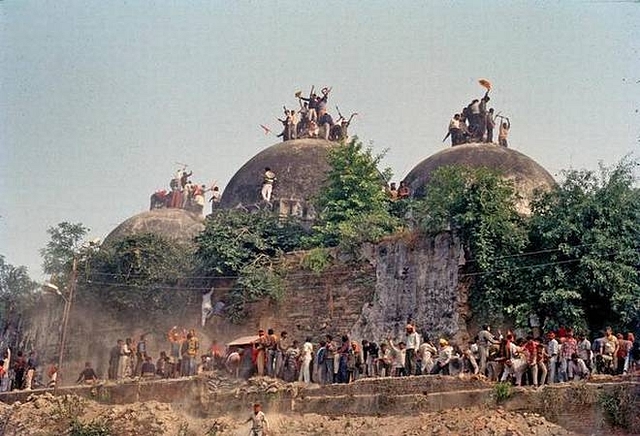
pixel 46 414
pixel 477 421
pixel 256 385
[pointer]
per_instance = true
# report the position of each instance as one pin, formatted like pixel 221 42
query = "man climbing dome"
pixel 267 184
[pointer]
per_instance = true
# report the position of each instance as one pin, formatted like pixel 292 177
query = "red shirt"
pixel 531 347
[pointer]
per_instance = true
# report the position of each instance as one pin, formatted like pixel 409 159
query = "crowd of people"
pixel 312 120
pixel 184 194
pixel 18 371
pixel 476 123
pixel 559 356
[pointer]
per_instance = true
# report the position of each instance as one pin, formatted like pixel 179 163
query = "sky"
pixel 99 100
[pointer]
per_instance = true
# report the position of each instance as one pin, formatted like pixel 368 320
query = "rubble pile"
pixel 46 414
pixel 474 421
pixel 255 385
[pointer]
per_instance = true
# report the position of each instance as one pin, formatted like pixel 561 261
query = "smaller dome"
pixel 526 174
pixel 177 224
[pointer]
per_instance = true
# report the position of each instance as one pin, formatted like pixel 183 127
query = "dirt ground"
pixel 46 415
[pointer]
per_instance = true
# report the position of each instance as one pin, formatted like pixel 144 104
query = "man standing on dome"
pixel 482 125
pixel 504 132
pixel 490 122
pixel 474 117
pixel 454 131
pixel 267 184
pixel 325 122
pixel 215 199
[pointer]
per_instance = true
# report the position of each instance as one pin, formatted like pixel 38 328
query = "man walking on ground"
pixel 260 425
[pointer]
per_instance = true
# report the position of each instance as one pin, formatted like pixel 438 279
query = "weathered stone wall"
pixel 317 304
pixel 417 281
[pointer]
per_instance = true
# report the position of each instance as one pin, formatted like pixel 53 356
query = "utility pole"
pixel 68 301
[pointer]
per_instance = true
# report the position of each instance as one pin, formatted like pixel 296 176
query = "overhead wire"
pixel 324 275
pixel 305 274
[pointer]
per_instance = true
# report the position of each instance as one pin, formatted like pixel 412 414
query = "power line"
pixel 323 286
pixel 308 274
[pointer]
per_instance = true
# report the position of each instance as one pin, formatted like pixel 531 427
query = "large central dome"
pixel 526 174
pixel 300 166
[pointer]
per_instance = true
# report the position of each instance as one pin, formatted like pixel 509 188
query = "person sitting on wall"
pixel 148 368
pixel 88 375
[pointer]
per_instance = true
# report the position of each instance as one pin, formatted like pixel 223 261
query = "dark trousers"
pixel 489 134
pixel 328 364
pixel 410 361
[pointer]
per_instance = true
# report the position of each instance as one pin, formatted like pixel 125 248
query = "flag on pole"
pixel 485 84
pixel 266 129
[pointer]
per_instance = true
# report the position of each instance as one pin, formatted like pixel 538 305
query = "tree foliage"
pixel 353 205
pixel 144 271
pixel 479 206
pixel 591 226
pixel 574 262
pixel 16 292
pixel 233 239
pixel 65 243
pixel 245 246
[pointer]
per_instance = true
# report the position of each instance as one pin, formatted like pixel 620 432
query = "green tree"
pixel 479 206
pixel 144 271
pixel 246 247
pixel 588 232
pixel 17 294
pixel 233 239
pixel 353 205
pixel 65 244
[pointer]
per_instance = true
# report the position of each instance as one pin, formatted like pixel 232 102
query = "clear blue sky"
pixel 99 99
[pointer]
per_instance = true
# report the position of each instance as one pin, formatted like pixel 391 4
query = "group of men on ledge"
pixel 184 194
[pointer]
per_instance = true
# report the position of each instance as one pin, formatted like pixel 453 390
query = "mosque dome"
pixel 300 166
pixel 176 224
pixel 527 175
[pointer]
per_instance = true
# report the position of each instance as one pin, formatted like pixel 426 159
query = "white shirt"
pixel 445 355
pixel 399 357
pixel 259 421
pixel 413 341
pixel 307 350
pixel 553 348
